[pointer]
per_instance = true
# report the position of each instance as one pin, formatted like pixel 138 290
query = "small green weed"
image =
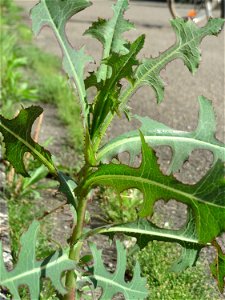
pixel 121 208
pixel 14 88
pixel 26 209
pixel 40 61
pixel 9 12
pixel 192 284
pixel 29 187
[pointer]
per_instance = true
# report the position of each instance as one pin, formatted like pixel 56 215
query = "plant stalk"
pixel 75 248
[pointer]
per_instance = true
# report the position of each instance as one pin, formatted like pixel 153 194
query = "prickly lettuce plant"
pixel 205 199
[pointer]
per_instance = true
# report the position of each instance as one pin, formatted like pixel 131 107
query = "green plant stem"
pixel 75 248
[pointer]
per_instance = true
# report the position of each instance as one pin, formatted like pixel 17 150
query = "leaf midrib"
pixel 115 283
pixel 77 81
pixel 150 233
pixel 36 269
pixel 32 149
pixel 188 140
pixel 177 47
pixel 101 178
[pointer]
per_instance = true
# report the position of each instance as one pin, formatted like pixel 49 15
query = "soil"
pixel 179 109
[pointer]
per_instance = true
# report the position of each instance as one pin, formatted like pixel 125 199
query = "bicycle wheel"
pixel 197 10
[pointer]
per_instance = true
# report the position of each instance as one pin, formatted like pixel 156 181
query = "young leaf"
pixel 109 33
pixel 189 37
pixel 182 143
pixel 18 141
pixel 28 271
pixel 204 198
pixel 55 14
pixel 218 267
pixel 122 67
pixel 35 176
pixel 112 283
pixel 67 187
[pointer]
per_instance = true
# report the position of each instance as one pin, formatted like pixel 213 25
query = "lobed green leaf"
pixel 206 200
pixel 67 187
pixel 55 14
pixel 182 143
pixel 186 47
pixel 18 141
pixel 189 37
pixel 113 283
pixel 145 231
pixel 109 33
pixel 28 271
pixel 122 67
